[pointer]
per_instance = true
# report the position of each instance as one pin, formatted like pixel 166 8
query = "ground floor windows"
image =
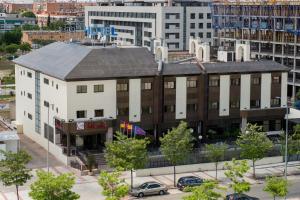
pixel 255 103
pixel 81 114
pixel 99 113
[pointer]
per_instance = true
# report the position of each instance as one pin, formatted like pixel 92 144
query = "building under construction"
pixel 271 26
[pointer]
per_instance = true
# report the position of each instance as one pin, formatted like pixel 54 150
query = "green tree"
pixel 113 187
pixel 176 145
pixel 293 141
pixel 205 191
pixel 216 153
pixel 48 20
pixel 12 48
pixel 12 37
pixel 30 27
pixel 276 187
pixel 51 187
pixel 235 171
pixel 28 14
pixel 127 153
pixel 25 47
pixel 13 169
pixel 254 144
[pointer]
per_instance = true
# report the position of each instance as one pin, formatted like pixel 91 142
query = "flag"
pixel 139 131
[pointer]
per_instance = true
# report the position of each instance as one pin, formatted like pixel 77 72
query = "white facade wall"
pixel 266 80
pixel 135 100
pixel 224 95
pixel 245 91
pixel 181 96
pixel 284 77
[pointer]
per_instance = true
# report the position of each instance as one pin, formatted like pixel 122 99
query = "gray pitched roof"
pixel 244 67
pixel 181 69
pixel 69 62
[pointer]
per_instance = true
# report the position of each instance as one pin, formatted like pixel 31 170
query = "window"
pixel 29 74
pixel 208 15
pixel 48 130
pixel 200 15
pixel 57 86
pixel 276 79
pixel 213 81
pixel 208 35
pixel 98 88
pixel 192 34
pixel 146 110
pixel 275 102
pixel 122 87
pixel 255 103
pixel 147 86
pixel 192 15
pixel 213 105
pixel 46 104
pixel 169 85
pixel 192 25
pixel 200 25
pixel 235 104
pixel 123 111
pixel 81 89
pixel 235 82
pixel 81 114
pixel 29 95
pixel 255 81
pixel 46 81
pixel 169 108
pixel 191 83
pixel 99 113
pixel 208 25
pixel 29 116
pixel 191 107
pixel 153 186
pixel 200 34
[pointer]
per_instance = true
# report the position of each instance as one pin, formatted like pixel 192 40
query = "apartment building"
pixel 80 95
pixel 271 27
pixel 139 23
pixel 17 7
pixel 11 21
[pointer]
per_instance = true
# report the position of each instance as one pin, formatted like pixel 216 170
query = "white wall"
pixel 266 80
pixel 181 97
pixel 135 100
pixel 284 76
pixel 224 95
pixel 245 91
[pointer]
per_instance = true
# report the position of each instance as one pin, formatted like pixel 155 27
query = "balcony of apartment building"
pixel 266 48
pixel 266 36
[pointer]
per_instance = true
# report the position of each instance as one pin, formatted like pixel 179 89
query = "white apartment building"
pixel 139 24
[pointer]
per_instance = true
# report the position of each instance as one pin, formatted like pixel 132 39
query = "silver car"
pixel 149 188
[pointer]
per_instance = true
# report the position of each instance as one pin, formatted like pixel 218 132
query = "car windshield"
pixel 143 186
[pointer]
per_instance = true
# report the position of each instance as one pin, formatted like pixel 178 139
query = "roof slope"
pixel 181 69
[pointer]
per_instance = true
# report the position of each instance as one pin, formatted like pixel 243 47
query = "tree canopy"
pixel 206 191
pixel 25 47
pixel 28 14
pixel 276 187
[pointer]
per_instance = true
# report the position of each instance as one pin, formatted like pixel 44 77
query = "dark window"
pixel 81 89
pixel 147 86
pixel 208 25
pixel 208 16
pixel 213 81
pixel 200 34
pixel 200 25
pixel 122 87
pixel 123 111
pixel 57 86
pixel 48 130
pixel 146 110
pixel 98 88
pixel 81 114
pixel 192 25
pixel 46 81
pixel 170 108
pixel 255 103
pixel 275 102
pixel 99 113
pixel 235 104
pixel 192 34
pixel 213 105
pixel 235 81
pixel 169 85
pixel 255 81
pixel 208 35
pixel 29 95
pixel 29 74
pixel 153 186
pixel 276 79
pixel 191 107
pixel 191 83
pixel 29 116
pixel 200 15
pixel 192 15
pixel 46 104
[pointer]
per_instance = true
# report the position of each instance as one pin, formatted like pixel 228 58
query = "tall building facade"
pixel 271 27
pixel 139 23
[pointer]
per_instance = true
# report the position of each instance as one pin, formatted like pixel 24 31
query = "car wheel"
pixel 161 192
pixel 141 195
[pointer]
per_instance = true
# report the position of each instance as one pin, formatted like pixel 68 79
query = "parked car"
pixel 188 181
pixel 240 197
pixel 149 188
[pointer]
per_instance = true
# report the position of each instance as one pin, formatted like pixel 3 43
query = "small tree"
pixel 28 14
pixel 216 153
pixel 276 187
pixel 12 48
pixel 127 153
pixel 114 188
pixel 49 186
pixel 176 145
pixel 235 171
pixel 13 169
pixel 25 47
pixel 205 191
pixel 254 144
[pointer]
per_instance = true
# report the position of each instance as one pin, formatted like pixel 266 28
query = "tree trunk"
pixel 216 170
pixel 17 188
pixel 131 175
pixel 254 176
pixel 174 170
